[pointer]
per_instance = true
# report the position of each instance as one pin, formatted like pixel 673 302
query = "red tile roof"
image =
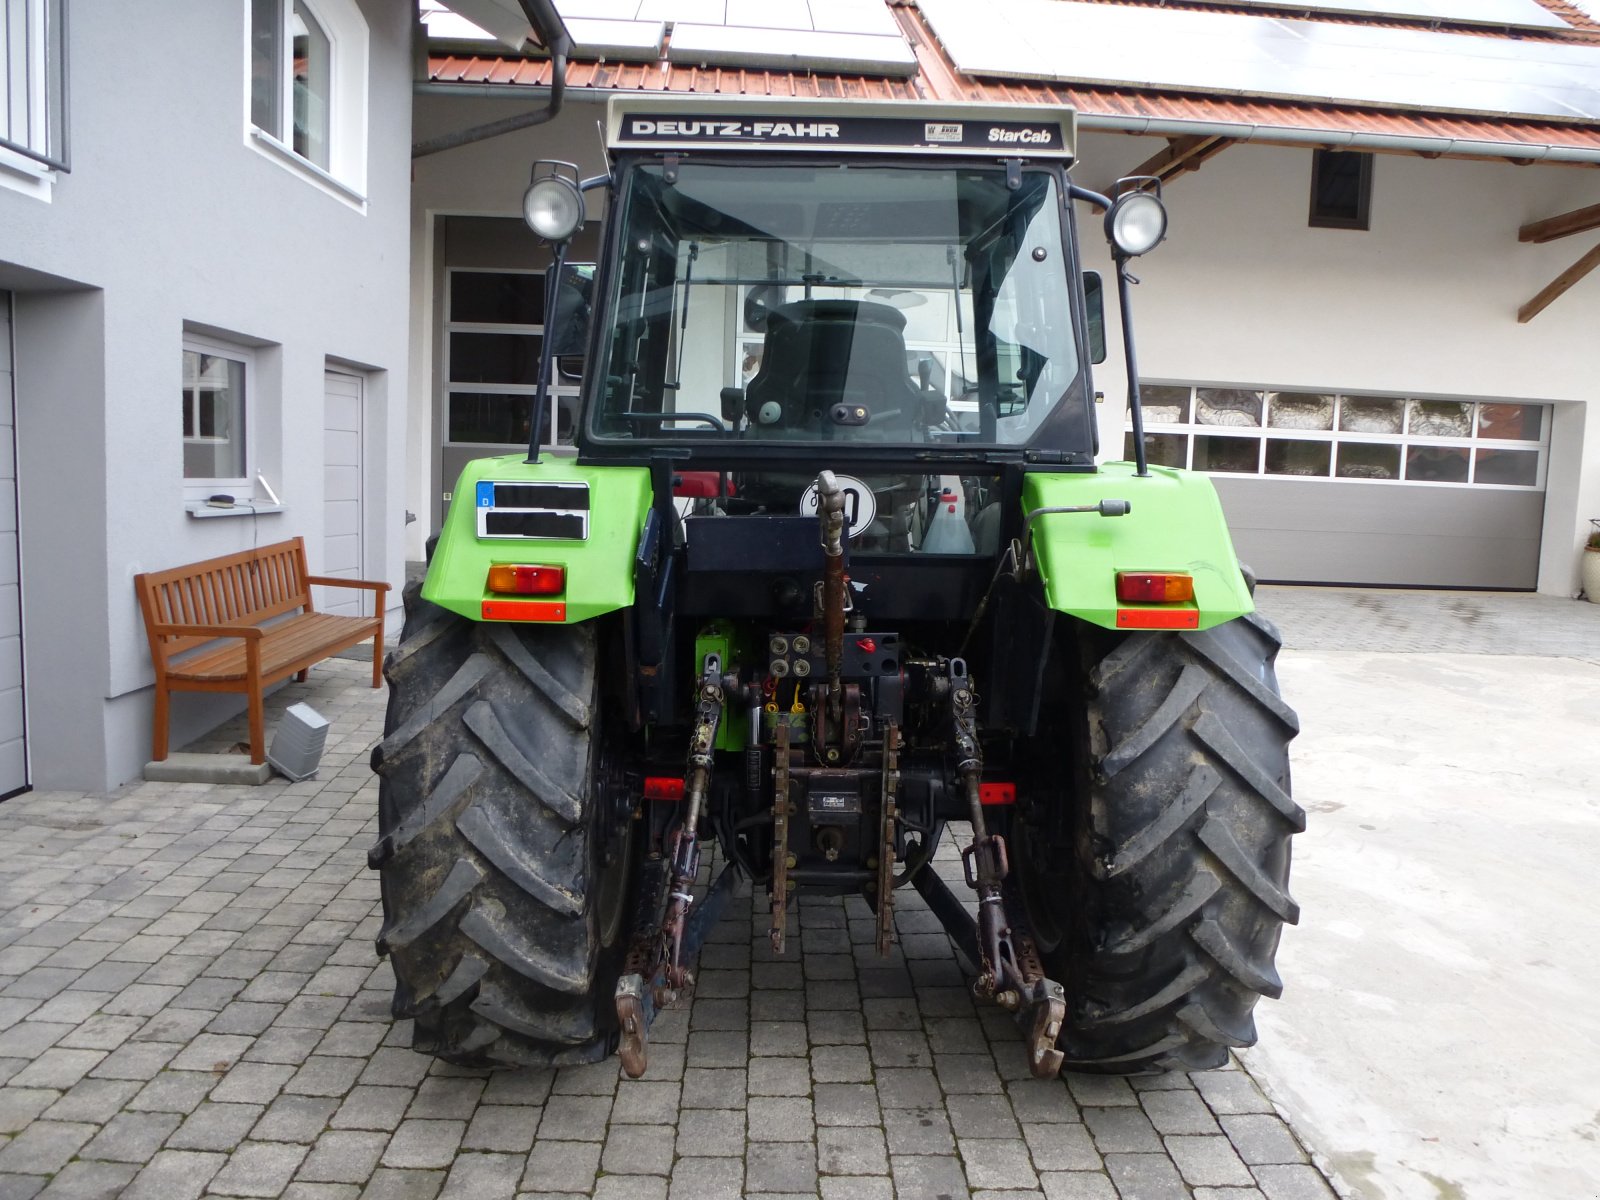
pixel 1131 109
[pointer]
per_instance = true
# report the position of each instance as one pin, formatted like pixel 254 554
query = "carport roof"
pixel 1157 111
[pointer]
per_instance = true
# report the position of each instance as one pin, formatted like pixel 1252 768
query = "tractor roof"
pixel 838 127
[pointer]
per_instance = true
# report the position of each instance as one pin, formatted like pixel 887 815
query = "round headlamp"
pixel 1136 223
pixel 553 207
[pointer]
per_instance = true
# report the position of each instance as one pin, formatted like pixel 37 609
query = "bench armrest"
pixel 250 633
pixel 371 585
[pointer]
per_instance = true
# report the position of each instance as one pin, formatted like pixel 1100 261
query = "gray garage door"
pixel 341 497
pixel 1365 489
pixel 13 712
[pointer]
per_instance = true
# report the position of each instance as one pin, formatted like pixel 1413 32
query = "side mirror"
pixel 1094 301
pixel 569 331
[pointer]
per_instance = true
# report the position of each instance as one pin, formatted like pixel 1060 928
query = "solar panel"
pixel 791 50
pixel 1264 56
pixel 1506 14
pixel 627 41
pixel 850 36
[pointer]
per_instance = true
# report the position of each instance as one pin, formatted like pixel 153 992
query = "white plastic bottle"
pixel 948 532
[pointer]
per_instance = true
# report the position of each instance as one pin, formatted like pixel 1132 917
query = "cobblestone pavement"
pixel 1403 621
pixel 190 1004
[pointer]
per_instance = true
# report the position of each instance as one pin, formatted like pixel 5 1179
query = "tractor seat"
pixel 821 353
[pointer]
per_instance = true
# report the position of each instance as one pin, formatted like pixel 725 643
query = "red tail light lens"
pixel 662 787
pixel 524 579
pixel 1154 587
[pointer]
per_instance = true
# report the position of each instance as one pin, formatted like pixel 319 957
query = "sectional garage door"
pixel 13 711
pixel 1365 489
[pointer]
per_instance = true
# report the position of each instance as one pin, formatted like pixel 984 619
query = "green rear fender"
pixel 599 564
pixel 1175 523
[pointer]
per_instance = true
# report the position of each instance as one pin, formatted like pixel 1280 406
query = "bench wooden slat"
pixel 267 588
pixel 322 635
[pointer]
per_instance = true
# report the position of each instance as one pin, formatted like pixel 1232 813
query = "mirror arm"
pixel 541 397
pixel 1074 192
pixel 1135 404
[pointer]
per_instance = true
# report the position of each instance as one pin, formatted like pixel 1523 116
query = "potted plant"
pixel 1591 564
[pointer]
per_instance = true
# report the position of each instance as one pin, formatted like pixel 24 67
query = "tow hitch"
pixel 1009 971
pixel 655 974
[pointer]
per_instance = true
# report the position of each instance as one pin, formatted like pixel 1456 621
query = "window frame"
pixel 449 386
pixel 1362 221
pixel 242 488
pixel 345 27
pixel 44 95
pixel 1406 440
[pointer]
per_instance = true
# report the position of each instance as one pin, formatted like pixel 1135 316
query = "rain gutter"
pixel 1340 139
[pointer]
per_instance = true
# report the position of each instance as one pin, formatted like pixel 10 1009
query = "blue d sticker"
pixel 485 494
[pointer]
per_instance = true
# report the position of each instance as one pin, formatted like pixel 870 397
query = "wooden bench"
pixel 241 623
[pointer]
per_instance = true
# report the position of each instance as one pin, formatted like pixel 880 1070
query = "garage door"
pixel 13 712
pixel 341 497
pixel 1324 487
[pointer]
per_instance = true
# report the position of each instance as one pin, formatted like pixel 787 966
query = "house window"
pixel 1341 189
pixel 217 385
pixel 308 86
pixel 33 83
pixel 1330 435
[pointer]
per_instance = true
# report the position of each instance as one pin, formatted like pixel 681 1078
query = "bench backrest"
pixel 246 588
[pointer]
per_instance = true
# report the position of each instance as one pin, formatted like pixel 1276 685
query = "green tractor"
pixel 832 567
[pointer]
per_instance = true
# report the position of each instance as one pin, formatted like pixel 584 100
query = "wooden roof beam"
pixel 1580 220
pixel 1558 286
pixel 1182 154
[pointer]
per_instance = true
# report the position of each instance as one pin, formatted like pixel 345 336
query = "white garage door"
pixel 13 712
pixel 1326 487
pixel 341 519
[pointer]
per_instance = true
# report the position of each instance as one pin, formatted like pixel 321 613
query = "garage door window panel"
pixel 1368 460
pixel 1300 410
pixel 1437 464
pixel 1233 455
pixel 1287 456
pixel 1319 435
pixel 494 335
pixel 1510 422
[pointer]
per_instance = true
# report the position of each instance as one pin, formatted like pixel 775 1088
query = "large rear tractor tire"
pixel 504 897
pixel 1158 897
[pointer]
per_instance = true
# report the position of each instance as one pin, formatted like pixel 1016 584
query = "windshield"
pixel 836 303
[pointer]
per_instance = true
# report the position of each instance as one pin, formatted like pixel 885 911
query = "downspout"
pixel 1340 139
pixel 552 34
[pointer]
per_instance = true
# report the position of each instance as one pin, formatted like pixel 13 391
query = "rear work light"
pixel 524 579
pixel 1154 587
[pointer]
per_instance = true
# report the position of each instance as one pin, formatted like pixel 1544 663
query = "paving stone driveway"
pixel 190 1004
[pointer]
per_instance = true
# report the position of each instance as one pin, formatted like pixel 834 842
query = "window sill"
pixel 264 143
pixel 200 510
pixel 19 173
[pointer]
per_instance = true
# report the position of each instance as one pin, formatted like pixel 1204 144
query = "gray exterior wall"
pixel 169 218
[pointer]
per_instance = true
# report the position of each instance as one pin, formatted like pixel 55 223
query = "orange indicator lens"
pixel 522 579
pixel 1148 587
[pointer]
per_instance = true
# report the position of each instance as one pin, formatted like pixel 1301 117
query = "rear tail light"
pixel 997 793
pixel 663 787
pixel 1154 587
pixel 524 579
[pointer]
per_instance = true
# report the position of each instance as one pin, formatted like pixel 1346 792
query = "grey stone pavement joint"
pixel 190 1004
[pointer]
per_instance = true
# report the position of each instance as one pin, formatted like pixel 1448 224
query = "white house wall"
pixel 169 218
pixel 1244 291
